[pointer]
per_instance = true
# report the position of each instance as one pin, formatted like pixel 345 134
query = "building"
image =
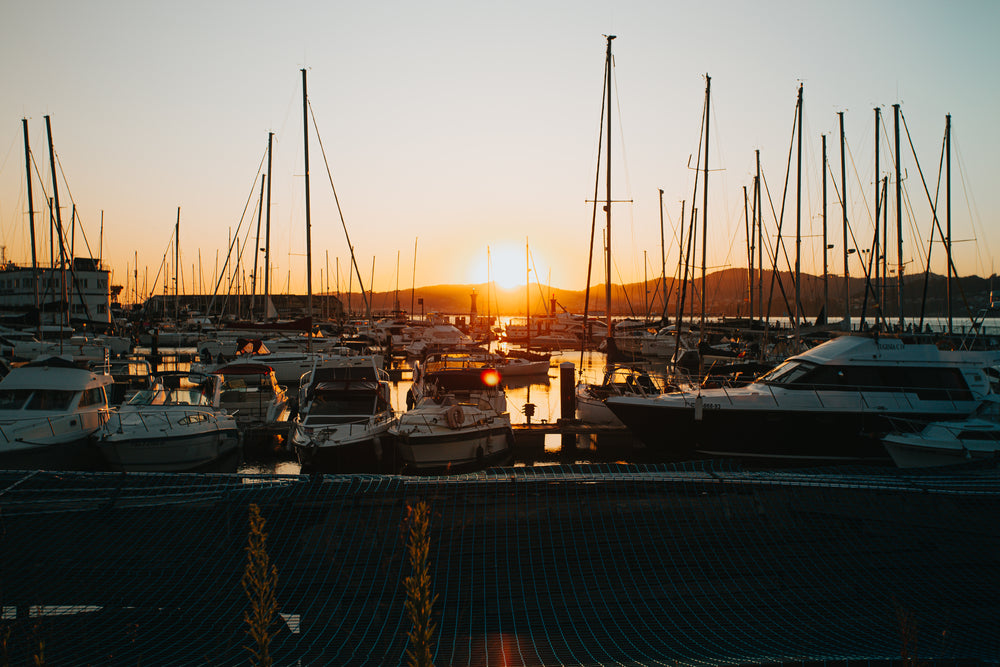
pixel 88 292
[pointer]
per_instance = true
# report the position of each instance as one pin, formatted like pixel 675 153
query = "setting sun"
pixel 504 265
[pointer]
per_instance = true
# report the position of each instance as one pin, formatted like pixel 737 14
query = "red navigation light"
pixel 490 377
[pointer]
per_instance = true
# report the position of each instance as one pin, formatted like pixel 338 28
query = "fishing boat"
pixel 50 411
pixel 944 443
pixel 177 426
pixel 251 393
pixel 459 417
pixel 344 418
pixel 831 404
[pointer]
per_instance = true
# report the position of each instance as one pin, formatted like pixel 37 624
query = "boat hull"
pixel 177 453
pixel 764 437
pixel 363 446
pixel 449 450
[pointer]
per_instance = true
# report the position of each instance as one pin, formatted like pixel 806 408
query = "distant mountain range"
pixel 727 292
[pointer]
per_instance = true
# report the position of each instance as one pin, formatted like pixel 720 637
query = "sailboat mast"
pixel 826 246
pixel 798 220
pixel 267 232
pixel 899 219
pixel 58 218
pixel 663 263
pixel 527 294
pixel 947 190
pixel 177 265
pixel 31 226
pixel 758 195
pixel 607 205
pixel 876 250
pixel 305 148
pixel 413 280
pixel 704 210
pixel 843 208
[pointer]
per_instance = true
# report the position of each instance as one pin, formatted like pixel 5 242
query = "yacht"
pixel 251 393
pixel 50 411
pixel 829 405
pixel 619 380
pixel 943 443
pixel 459 419
pixel 344 417
pixel 176 426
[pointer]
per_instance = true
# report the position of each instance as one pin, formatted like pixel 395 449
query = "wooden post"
pixel 567 400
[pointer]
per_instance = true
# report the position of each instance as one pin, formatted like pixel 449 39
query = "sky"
pixel 462 136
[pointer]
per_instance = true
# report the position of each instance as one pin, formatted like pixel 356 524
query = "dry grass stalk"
pixel 419 601
pixel 260 582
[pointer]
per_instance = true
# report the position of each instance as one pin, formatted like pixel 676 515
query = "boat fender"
pixel 454 416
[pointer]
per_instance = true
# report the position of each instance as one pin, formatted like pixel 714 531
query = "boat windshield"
pixel 787 373
pixel 162 396
pixel 36 399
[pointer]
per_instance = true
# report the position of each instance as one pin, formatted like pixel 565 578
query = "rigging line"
pixel 593 221
pixel 624 159
pixel 970 205
pixel 225 266
pixel 772 254
pixel 780 219
pixel 73 201
pixel 329 174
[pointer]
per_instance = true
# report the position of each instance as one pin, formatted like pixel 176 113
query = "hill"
pixel 727 292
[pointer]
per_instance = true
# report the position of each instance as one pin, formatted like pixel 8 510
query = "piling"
pixel 567 400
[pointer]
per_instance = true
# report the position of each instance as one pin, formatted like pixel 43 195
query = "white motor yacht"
pixel 177 426
pixel 50 411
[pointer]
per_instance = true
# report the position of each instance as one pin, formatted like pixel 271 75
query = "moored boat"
pixel 176 426
pixel 831 404
pixel 953 442
pixel 459 420
pixel 344 418
pixel 50 411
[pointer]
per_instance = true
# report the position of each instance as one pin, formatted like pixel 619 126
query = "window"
pixel 50 399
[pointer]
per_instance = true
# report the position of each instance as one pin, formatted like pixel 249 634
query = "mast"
pixel 58 217
pixel 267 233
pixel 798 221
pixel 843 208
pixel 876 250
pixel 607 204
pixel 704 211
pixel 826 246
pixel 760 238
pixel 305 148
pixel 663 264
pixel 527 291
pixel 947 190
pixel 31 226
pixel 177 266
pixel 899 219
pixel 413 280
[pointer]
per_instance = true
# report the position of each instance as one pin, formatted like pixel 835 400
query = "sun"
pixel 505 266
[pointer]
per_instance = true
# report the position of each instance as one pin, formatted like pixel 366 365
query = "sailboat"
pixel 590 397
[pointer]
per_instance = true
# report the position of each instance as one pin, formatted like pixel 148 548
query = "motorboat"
pixel 828 405
pixel 619 380
pixel 344 417
pixel 459 417
pixel 50 412
pixel 251 393
pixel 952 442
pixel 176 426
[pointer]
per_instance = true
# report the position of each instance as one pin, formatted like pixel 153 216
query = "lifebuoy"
pixel 454 416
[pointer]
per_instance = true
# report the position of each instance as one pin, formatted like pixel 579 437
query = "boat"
pixel 50 411
pixel 831 404
pixel 344 418
pixel 619 380
pixel 945 443
pixel 177 426
pixel 459 417
pixel 251 393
